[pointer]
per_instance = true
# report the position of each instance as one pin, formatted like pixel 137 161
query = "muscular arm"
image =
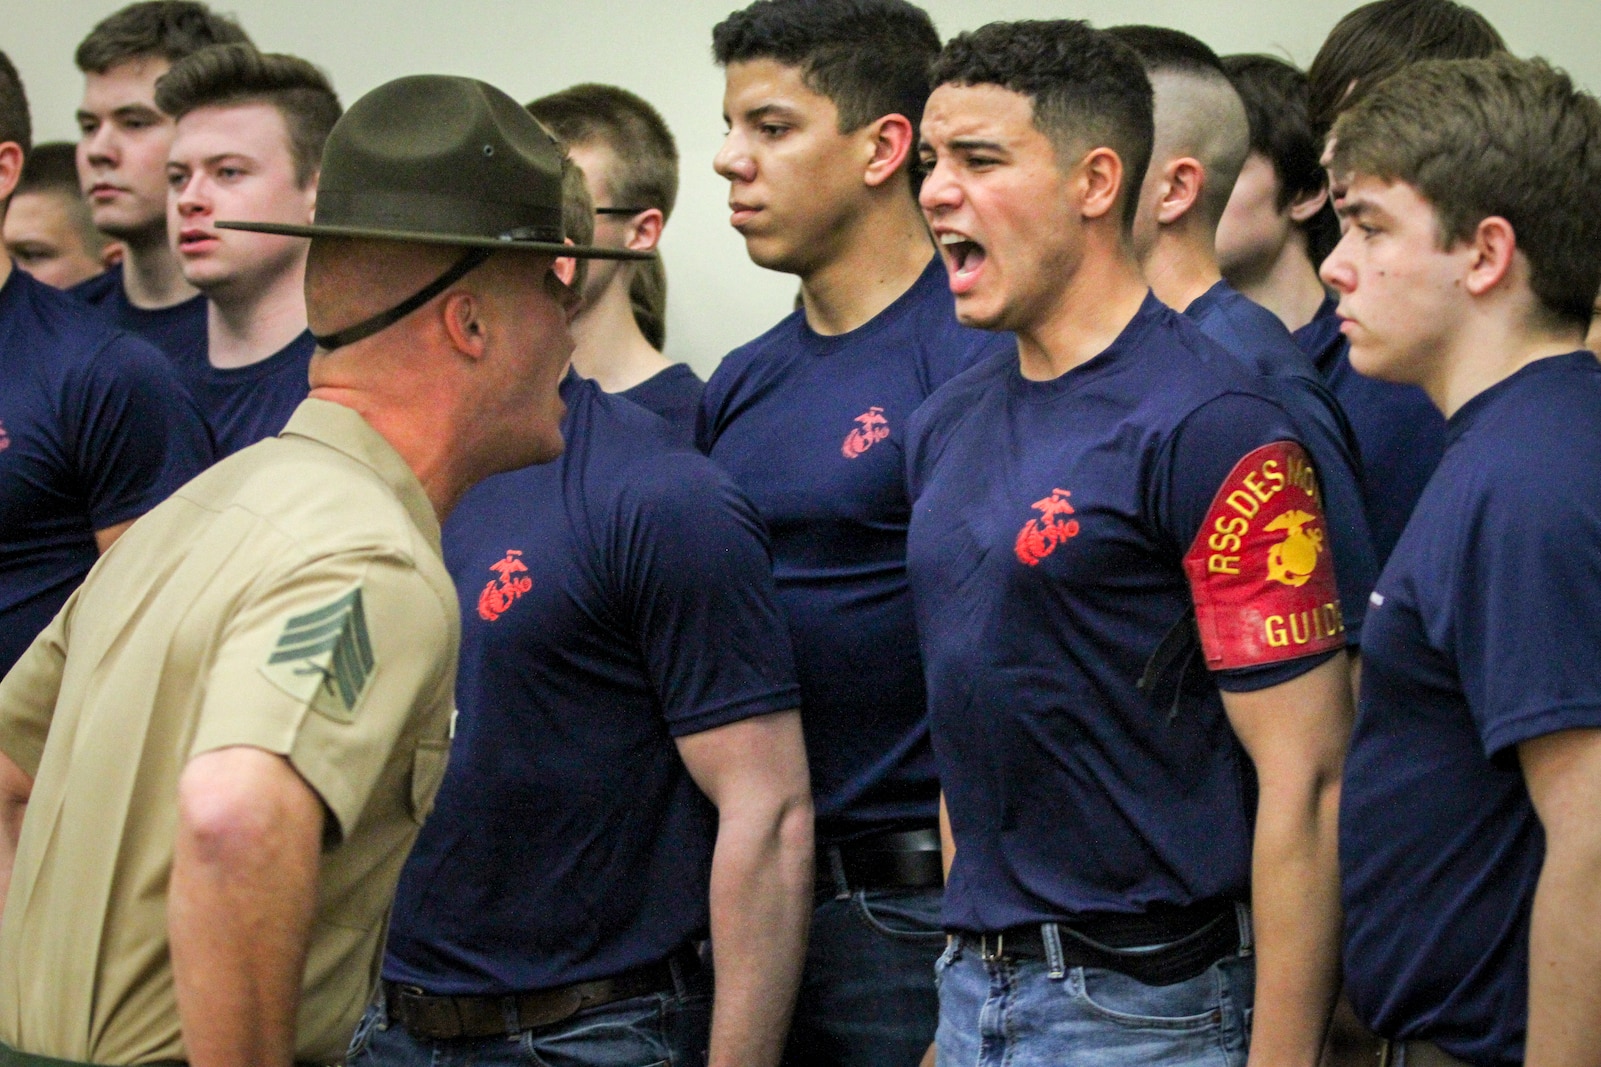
pixel 240 905
pixel 761 887
pixel 1296 734
pixel 15 788
pixel 1563 772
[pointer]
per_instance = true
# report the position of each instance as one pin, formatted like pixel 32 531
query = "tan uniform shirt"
pixel 292 598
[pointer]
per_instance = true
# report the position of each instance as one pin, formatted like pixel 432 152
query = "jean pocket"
pixel 906 915
pixel 953 945
pixel 1189 1005
pixel 363 1035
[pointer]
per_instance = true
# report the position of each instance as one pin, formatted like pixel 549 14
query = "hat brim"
pixel 549 248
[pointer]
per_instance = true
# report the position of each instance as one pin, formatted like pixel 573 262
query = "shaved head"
pixel 349 280
pixel 1199 114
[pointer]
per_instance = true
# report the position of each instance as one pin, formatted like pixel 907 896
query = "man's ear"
pixel 1182 181
pixel 10 170
pixel 311 196
pixel 645 230
pixel 1492 248
pixel 893 140
pixel 1306 205
pixel 462 313
pixel 1101 177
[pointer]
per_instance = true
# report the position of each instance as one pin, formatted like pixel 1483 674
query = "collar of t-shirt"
pixel 1469 413
pixel 343 430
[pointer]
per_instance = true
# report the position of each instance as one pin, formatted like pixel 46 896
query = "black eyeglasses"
pixel 620 210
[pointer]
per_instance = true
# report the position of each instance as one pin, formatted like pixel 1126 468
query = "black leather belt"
pixel 441 1017
pixel 1159 947
pixel 906 859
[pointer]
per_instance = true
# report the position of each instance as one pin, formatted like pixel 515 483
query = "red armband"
pixel 1260 569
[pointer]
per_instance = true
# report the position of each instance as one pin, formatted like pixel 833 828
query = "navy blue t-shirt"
pixel 179 330
pixel 1255 335
pixel 94 430
pixel 811 428
pixel 674 394
pixel 611 601
pixel 1071 792
pixel 1400 433
pixel 1483 634
pixel 244 405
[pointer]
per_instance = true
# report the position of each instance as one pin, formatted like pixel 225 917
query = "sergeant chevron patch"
pixel 324 657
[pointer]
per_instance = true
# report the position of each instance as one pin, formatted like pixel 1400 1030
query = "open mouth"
pixel 964 257
pixel 193 239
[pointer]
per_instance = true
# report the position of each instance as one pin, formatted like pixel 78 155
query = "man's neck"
pixel 1288 286
pixel 151 277
pixel 882 257
pixel 1092 309
pixel 1488 346
pixel 1181 268
pixel 610 349
pixel 243 328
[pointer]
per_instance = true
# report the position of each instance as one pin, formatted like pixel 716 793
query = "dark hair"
pixel 15 124
pixel 1161 48
pixel 49 168
pixel 1504 137
pixel 1275 98
pixel 233 74
pixel 171 29
pixel 1380 38
pixel 1088 88
pixel 870 57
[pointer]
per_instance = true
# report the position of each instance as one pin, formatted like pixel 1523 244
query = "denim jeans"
pixel 1013 1012
pixel 867 993
pixel 657 1030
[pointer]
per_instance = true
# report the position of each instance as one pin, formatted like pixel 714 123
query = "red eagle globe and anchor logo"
pixel 1040 536
pixel 513 583
pixel 871 428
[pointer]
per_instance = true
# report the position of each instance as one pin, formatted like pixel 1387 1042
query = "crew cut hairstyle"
pixel 1504 137
pixel 1088 88
pixel 1378 39
pixel 171 29
pixel 870 57
pixel 51 167
pixel 233 74
pixel 16 126
pixel 1275 97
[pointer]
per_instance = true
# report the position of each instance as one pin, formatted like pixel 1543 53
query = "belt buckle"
pixel 984 947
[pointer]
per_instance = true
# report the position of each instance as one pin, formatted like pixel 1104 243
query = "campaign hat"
pixel 444 160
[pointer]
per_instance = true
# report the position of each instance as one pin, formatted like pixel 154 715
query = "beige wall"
pixel 661 50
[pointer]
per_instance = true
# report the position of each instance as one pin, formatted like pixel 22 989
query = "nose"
pixel 732 160
pixel 99 147
pixel 1336 270
pixel 939 191
pixel 188 195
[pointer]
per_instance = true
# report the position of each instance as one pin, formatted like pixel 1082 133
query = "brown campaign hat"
pixel 438 159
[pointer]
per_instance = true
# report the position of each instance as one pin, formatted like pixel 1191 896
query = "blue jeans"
pixel 867 993
pixel 1006 1011
pixel 657 1030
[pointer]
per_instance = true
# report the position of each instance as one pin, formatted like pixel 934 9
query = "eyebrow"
pixel 125 111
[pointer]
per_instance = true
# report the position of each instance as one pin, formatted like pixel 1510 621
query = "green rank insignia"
pixel 324 657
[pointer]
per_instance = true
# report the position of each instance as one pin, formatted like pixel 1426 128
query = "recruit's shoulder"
pixel 1536 430
pixel 65 338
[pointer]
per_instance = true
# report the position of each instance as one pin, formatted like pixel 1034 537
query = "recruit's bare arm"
pixel 1296 734
pixel 240 906
pixel 755 772
pixel 1563 772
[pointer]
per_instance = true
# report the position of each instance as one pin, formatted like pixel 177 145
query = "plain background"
pixel 662 51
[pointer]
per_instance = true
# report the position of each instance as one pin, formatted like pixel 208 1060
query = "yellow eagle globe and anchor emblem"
pixel 1292 561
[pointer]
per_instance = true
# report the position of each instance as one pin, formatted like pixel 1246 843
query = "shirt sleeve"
pixel 332 666
pixel 136 432
pixel 29 691
pixel 698 577
pixel 1256 565
pixel 1526 616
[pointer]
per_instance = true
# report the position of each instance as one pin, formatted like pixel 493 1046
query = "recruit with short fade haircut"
pixel 170 29
pixel 646 174
pixel 51 168
pixel 1087 88
pixel 1275 97
pixel 870 57
pixel 1165 49
pixel 1504 137
pixel 234 74
pixel 16 126
pixel 1378 39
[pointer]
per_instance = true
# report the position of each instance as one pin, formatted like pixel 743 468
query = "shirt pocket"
pixel 428 765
